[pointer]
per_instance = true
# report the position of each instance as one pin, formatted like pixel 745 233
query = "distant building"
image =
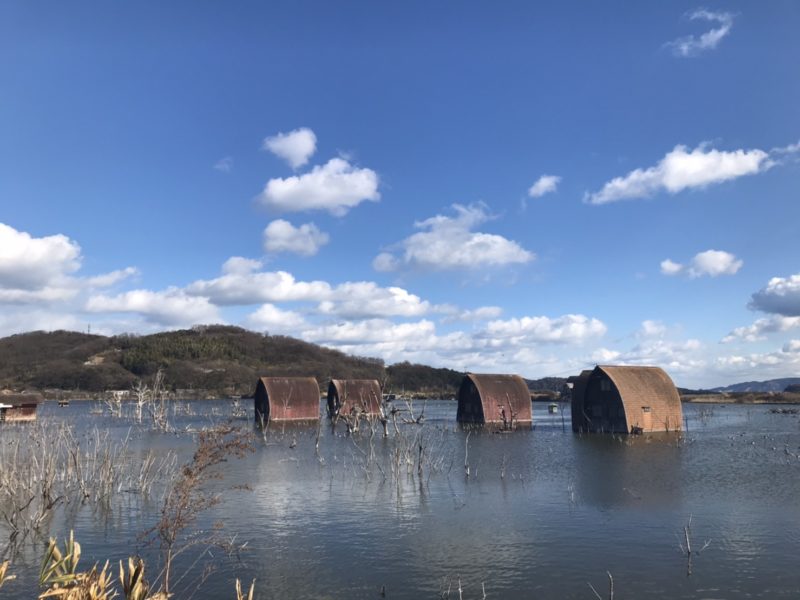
pixel 496 399
pixel 18 407
pixel 361 395
pixel 625 399
pixel 286 399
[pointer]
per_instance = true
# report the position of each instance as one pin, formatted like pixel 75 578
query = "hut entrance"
pixel 647 418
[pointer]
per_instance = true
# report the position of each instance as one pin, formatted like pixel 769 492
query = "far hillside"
pixel 215 359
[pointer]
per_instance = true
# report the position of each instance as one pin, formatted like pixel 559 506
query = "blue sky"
pixel 483 186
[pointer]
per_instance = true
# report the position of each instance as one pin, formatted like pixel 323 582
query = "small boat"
pixel 63 402
pixel 552 408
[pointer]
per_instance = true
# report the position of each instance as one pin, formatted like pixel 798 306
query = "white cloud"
pixel 792 346
pixel 32 265
pixel 604 356
pixel 544 185
pixel 569 329
pixel 482 313
pixel 781 296
pixel 683 169
pixel 761 327
pixel 238 265
pixel 337 186
pixel 271 318
pixel 669 267
pixel 224 165
pixel 651 329
pixel 171 307
pixel 371 331
pixel 282 236
pixel 711 263
pixel 28 319
pixel 449 243
pixel 385 262
pixel 714 263
pixel 295 147
pixel 691 45
pixel 112 278
pixel 366 299
pixel 246 287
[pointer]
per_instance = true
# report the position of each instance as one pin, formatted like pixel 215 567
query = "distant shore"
pixel 743 398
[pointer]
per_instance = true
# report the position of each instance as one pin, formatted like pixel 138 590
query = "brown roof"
pixel 647 386
pixel 18 399
pixel 363 393
pixel 291 398
pixel 497 391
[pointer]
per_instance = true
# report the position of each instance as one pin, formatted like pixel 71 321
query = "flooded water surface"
pixel 543 512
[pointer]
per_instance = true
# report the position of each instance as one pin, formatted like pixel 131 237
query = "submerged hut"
pixel 503 399
pixel 286 399
pixel 625 400
pixel 19 407
pixel 348 395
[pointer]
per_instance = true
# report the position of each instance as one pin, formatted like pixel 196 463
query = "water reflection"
pixel 542 512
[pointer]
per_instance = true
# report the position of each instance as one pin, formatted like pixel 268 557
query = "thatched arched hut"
pixel 361 395
pixel 626 399
pixel 503 399
pixel 286 399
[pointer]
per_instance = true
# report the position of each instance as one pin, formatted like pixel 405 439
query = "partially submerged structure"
pixel 350 396
pixel 19 406
pixel 496 399
pixel 286 399
pixel 625 399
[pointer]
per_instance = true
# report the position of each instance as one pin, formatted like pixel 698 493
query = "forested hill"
pixel 218 359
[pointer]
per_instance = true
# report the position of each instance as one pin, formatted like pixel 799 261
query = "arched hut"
pixel 19 406
pixel 363 395
pixel 626 400
pixel 286 399
pixel 503 399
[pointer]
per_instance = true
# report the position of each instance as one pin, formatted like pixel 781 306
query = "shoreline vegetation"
pixel 211 362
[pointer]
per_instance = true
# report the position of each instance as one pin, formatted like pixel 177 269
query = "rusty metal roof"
pixel 365 393
pixel 291 398
pixel 498 390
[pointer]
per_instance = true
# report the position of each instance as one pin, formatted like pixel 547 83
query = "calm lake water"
pixel 543 513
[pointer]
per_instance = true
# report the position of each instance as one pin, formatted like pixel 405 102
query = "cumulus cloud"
pixel 224 165
pixel 337 186
pixel 651 329
pixel 449 243
pixel 112 278
pixel 366 299
pixel 711 263
pixel 761 328
pixel 171 307
pixel 282 236
pixel 669 267
pixel 683 169
pixel 482 313
pixel 792 346
pixel 295 147
pixel 275 320
pixel 544 185
pixel 781 296
pixel 31 264
pixel 242 287
pixel 692 45
pixel 566 329
pixel 239 265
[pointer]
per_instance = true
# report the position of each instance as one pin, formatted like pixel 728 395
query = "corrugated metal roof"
pixel 363 393
pixel 499 392
pixel 291 398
